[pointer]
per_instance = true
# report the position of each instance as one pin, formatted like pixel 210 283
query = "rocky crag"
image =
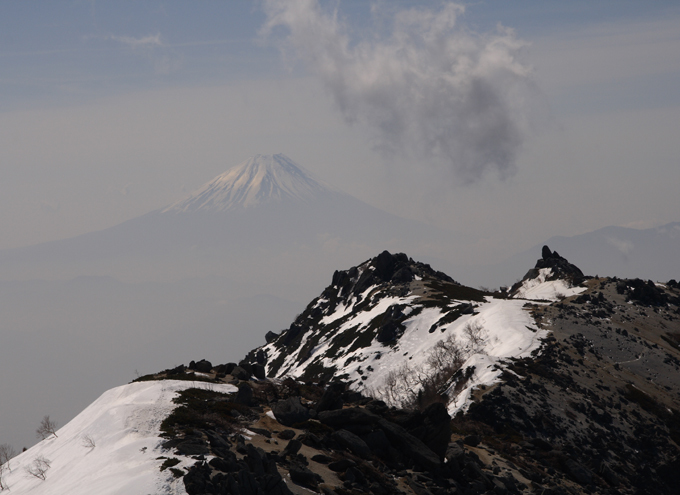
pixel 594 410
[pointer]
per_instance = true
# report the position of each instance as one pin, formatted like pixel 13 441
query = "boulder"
pixel 455 452
pixel 246 366
pixel 409 445
pixel 244 395
pixel 225 368
pixel 290 411
pixel 331 398
pixel 240 373
pixel 352 442
pixel 352 415
pixel 292 448
pixel 301 475
pixel 259 371
pixel 286 434
pixel 435 430
pixel 218 444
pixel 203 366
pixel 342 465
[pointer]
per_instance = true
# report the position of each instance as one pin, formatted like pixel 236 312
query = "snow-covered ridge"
pixel 258 180
pixel 390 313
pixel 110 448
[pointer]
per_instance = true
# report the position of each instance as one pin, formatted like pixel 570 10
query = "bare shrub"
pixel 7 452
pixel 476 336
pixel 419 386
pixel 399 386
pixel 88 442
pixel 446 355
pixel 46 429
pixel 38 468
pixel 414 387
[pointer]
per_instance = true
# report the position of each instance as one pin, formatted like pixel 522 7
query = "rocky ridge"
pixel 594 409
pixel 379 324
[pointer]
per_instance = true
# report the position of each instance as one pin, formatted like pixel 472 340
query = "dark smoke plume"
pixel 430 88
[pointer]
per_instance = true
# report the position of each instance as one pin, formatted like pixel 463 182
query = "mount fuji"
pixel 259 180
pixel 265 210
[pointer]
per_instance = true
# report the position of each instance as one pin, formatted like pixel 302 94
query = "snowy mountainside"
pixel 111 447
pixel 390 319
pixel 258 180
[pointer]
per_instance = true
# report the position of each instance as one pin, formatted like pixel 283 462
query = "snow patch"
pixel 546 290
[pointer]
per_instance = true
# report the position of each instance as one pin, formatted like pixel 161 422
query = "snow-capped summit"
pixel 258 180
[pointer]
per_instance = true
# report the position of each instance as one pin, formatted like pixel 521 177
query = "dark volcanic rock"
pixel 301 475
pixel 244 395
pixel 259 371
pixel 435 430
pixel 351 415
pixel 240 373
pixel 352 442
pixel 203 366
pixel 410 445
pixel 286 434
pixel 331 398
pixel 290 411
pixel 292 448
pixel 342 465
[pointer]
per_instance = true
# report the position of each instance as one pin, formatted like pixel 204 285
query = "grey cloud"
pixel 431 88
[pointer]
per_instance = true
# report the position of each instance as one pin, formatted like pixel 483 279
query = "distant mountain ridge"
pixel 650 254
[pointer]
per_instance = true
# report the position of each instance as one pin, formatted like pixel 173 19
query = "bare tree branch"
pixel 39 467
pixel 88 442
pixel 46 429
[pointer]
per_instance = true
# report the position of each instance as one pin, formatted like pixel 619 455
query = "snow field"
pixel 124 424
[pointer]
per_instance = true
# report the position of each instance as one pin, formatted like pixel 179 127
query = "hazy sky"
pixel 507 122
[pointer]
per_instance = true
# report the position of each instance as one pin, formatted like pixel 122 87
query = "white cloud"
pixel 143 42
pixel 431 89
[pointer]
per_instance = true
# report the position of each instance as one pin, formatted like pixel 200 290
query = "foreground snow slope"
pixel 124 426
